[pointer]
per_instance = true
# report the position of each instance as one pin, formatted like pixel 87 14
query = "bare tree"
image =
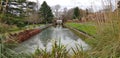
pixel 65 11
pixel 56 9
pixel 70 13
pixel 65 17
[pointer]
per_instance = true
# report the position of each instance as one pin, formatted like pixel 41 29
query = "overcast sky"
pixel 96 4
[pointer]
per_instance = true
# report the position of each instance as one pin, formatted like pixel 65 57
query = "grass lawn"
pixel 88 28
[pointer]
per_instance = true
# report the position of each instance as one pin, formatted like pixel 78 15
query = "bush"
pixel 13 20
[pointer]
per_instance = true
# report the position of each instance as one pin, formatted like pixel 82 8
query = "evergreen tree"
pixel 76 13
pixel 87 12
pixel 46 13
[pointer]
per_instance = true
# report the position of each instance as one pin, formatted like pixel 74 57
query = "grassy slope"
pixel 84 27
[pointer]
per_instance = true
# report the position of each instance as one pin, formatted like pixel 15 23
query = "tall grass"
pixel 60 51
pixel 107 41
pixel 108 37
pixel 6 50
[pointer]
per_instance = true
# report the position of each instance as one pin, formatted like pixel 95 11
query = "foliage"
pixel 14 15
pixel 13 20
pixel 76 13
pixel 46 13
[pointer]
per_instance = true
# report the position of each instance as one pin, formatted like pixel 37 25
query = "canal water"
pixel 46 39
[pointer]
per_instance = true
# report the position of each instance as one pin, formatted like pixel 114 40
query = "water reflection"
pixel 47 37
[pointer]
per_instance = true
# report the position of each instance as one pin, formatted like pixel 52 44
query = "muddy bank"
pixel 24 35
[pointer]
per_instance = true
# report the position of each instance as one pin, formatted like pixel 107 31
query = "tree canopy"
pixel 76 13
pixel 46 13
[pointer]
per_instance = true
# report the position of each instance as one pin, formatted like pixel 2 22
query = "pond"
pixel 46 38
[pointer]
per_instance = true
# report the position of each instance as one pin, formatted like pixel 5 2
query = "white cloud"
pixel 73 3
